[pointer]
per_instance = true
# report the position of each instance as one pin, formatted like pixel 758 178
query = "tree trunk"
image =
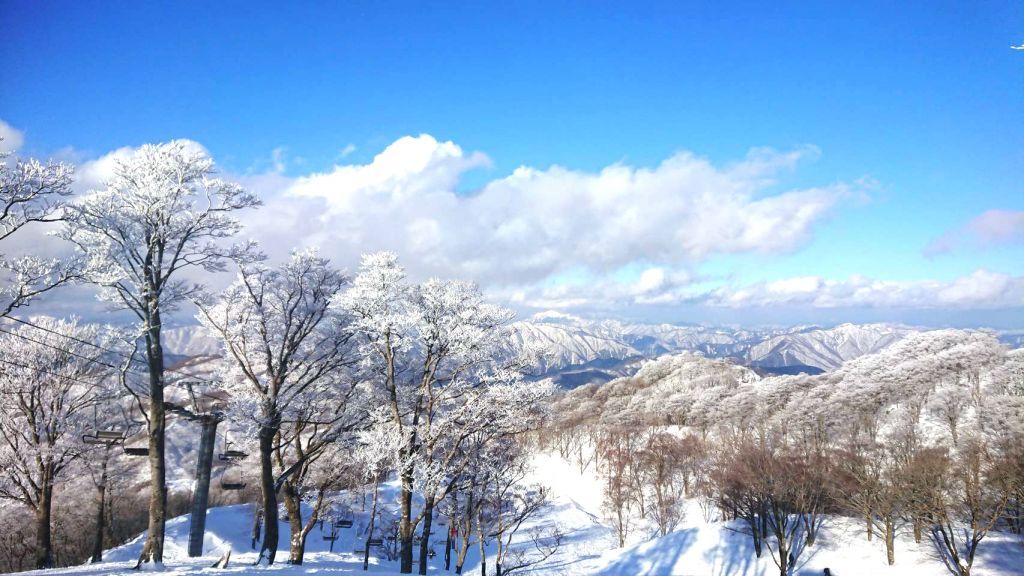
pixel 890 541
pixel 428 520
pixel 369 534
pixel 201 493
pixel 783 558
pixel 482 542
pixel 257 523
pixel 405 526
pixel 810 529
pixel 293 505
pixel 101 510
pixel 870 525
pixel 270 533
pixel 44 543
pixel 465 526
pixel 755 533
pixel 917 529
pixel 154 547
pixel 448 546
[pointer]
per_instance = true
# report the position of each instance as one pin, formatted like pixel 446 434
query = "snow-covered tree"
pixel 30 192
pixel 425 347
pixel 509 502
pixel 287 354
pixel 972 500
pixel 51 382
pixel 162 213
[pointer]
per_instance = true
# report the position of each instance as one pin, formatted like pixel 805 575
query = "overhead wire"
pixel 186 376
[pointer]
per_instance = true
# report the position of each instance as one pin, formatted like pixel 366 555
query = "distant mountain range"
pixel 576 351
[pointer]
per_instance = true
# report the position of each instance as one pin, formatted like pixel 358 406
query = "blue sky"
pixel 916 109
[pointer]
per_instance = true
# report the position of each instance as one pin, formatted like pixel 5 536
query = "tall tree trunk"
pixel 44 543
pixel 293 505
pixel 465 526
pixel 482 541
pixel 101 510
pixel 270 532
pixel 810 528
pixel 405 525
pixel 755 533
pixel 369 530
pixel 781 542
pixel 890 541
pixel 257 524
pixel 154 547
pixel 201 493
pixel 428 519
pixel 448 545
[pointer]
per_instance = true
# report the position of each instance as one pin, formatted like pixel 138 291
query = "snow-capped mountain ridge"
pixel 575 350
pixel 826 349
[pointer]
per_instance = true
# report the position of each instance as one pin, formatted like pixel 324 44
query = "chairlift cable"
pixel 58 348
pixel 97 346
pixel 47 372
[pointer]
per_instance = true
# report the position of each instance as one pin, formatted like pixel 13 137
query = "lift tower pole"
pixel 201 489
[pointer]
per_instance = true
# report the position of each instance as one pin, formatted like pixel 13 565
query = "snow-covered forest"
pixel 368 421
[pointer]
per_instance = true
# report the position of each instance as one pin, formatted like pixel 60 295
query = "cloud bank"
pixel 981 289
pixel 602 240
pixel 537 223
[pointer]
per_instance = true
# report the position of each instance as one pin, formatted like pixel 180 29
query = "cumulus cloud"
pixel 990 228
pixel 981 289
pixel 10 137
pixel 652 286
pixel 537 223
pixel 570 239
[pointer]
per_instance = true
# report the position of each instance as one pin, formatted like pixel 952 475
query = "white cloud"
pixel 10 137
pixel 982 289
pixel 990 228
pixel 536 223
pixel 570 239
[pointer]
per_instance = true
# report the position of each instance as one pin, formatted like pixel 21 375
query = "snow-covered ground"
pixel 696 548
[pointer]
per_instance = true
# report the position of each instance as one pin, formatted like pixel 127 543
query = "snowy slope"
pixel 821 348
pixel 190 341
pixel 824 349
pixel 698 547
pixel 564 346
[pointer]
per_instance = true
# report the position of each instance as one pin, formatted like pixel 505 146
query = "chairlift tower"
pixel 208 421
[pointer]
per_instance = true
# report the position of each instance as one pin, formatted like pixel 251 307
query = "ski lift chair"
pixel 231 454
pixel 110 437
pixel 136 451
pixel 344 521
pixel 229 485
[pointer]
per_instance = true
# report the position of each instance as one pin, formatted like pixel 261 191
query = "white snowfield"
pixel 698 547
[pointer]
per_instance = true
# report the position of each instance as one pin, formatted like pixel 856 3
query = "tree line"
pixel 923 438
pixel 331 381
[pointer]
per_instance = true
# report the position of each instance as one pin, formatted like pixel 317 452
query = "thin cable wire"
pixel 58 348
pixel 54 374
pixel 97 346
